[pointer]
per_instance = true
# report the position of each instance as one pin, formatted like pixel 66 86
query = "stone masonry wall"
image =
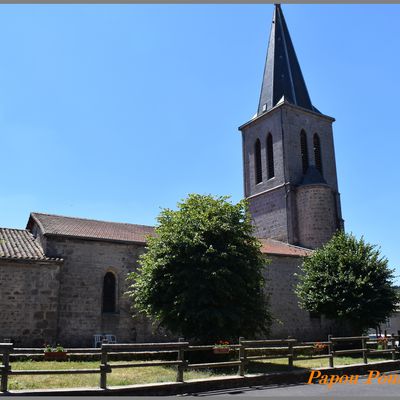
pixel 28 302
pixel 277 218
pixel 269 214
pixel 260 129
pixel 291 320
pixel 316 215
pixel 31 292
pixel 294 120
pixel 86 263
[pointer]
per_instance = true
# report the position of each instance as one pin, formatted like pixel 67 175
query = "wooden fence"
pixel 243 353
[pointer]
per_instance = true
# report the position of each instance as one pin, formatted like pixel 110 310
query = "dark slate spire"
pixel 282 73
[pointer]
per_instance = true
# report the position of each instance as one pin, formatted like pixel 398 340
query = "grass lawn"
pixel 119 376
pixel 131 376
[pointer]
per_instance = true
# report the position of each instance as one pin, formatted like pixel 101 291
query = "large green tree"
pixel 201 276
pixel 348 280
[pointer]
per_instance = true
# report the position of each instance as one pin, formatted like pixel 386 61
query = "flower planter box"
pixel 221 350
pixel 55 356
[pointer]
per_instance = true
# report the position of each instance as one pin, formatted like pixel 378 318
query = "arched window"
pixel 257 161
pixel 304 151
pixel 270 156
pixel 317 153
pixel 109 291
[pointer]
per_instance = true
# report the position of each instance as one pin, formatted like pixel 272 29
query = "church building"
pixel 63 279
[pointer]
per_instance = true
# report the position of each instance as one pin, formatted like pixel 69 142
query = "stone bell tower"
pixel 288 154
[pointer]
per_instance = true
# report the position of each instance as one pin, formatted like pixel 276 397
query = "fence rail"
pixel 54 371
pixel 246 351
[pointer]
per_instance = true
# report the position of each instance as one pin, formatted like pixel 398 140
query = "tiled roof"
pixel 91 229
pixel 19 244
pixel 122 232
pixel 274 247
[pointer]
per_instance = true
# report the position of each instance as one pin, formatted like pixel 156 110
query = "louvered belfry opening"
pixel 257 161
pixel 109 285
pixel 270 156
pixel 304 151
pixel 317 153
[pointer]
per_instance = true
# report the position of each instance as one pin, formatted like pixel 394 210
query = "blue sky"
pixel 113 111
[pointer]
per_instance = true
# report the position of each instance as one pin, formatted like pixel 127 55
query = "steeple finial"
pixel 282 79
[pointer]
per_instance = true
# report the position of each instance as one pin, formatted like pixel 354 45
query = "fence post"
pixel 181 357
pixel 5 368
pixel 330 349
pixel 291 352
pixel 365 350
pixel 104 368
pixel 393 347
pixel 242 357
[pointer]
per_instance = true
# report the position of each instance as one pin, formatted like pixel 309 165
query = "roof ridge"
pixel 287 244
pixel 15 229
pixel 91 219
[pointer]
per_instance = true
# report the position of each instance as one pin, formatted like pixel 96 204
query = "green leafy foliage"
pixel 348 280
pixel 201 276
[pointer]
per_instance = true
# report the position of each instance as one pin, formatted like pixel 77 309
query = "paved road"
pixel 360 390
